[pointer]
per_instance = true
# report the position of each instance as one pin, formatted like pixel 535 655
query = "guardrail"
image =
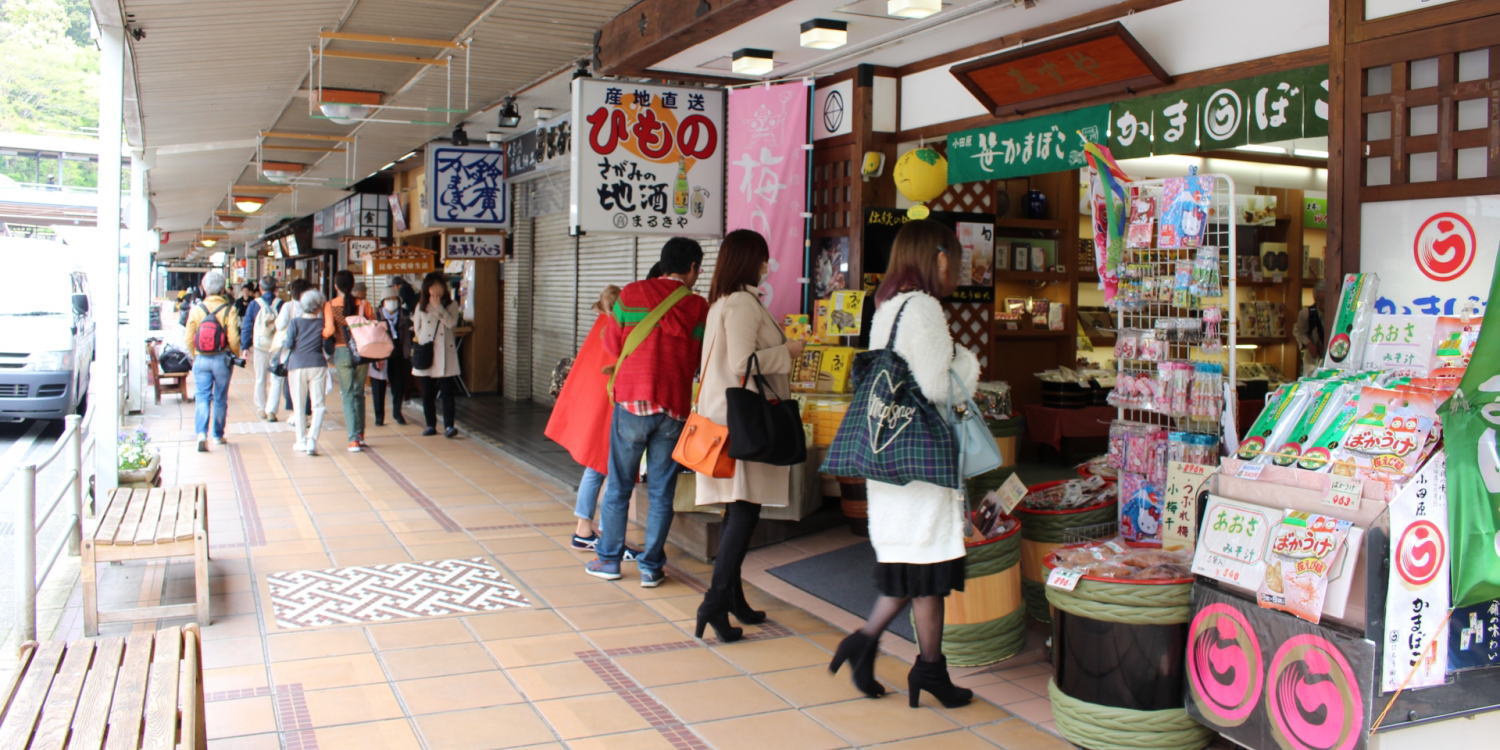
pixel 72 445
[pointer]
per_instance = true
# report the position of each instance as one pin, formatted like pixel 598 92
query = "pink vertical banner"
pixel 767 182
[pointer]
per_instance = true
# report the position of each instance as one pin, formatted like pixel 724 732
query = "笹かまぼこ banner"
pixel 647 159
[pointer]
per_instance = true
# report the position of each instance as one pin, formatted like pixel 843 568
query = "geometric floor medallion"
pixel 375 593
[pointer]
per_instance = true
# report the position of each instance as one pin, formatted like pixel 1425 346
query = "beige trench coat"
pixel 738 326
pixel 436 326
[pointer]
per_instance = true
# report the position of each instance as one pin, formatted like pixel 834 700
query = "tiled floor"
pixel 589 664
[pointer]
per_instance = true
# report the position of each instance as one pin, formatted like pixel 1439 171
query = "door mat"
pixel 376 593
pixel 844 578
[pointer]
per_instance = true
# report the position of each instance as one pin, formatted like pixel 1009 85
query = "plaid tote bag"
pixel 892 433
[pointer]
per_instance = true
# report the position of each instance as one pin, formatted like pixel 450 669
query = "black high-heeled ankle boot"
pixel 932 676
pixel 740 608
pixel 717 615
pixel 859 650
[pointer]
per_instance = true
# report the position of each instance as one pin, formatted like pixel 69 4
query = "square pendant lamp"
pixel 913 8
pixel 752 62
pixel 823 33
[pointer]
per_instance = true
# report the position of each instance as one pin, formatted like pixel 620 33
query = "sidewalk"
pixel 421 595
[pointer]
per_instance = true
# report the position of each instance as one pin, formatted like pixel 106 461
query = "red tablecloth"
pixel 1049 426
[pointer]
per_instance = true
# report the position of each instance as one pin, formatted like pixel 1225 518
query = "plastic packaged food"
pixel 1351 324
pixel 1117 558
pixel 1299 557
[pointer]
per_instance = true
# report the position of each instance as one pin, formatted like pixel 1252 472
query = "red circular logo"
pixel 1445 246
pixel 1420 553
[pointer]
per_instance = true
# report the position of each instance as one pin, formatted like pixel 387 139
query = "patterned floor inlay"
pixel 663 721
pixel 422 500
pixel 374 593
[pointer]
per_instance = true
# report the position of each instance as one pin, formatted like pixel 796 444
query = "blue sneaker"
pixel 631 555
pixel 650 579
pixel 585 542
pixel 609 571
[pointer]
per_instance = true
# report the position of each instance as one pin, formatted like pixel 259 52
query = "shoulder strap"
pixel 890 342
pixel 643 329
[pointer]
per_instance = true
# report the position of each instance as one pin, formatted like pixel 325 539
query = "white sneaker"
pixel 219 441
pixel 312 448
pixel 270 416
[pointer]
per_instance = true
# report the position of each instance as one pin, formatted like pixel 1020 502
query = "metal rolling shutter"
pixel 649 251
pixel 602 260
pixel 553 304
pixel 516 345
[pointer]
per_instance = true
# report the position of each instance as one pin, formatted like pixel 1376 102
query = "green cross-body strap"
pixel 643 329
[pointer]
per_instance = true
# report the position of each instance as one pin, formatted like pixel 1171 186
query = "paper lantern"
pixel 921 175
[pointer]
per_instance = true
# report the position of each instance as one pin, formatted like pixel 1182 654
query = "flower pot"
pixel 143 478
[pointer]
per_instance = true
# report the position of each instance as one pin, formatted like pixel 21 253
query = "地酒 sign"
pixel 398 260
pixel 1089 63
pixel 467 187
pixel 647 159
pixel 1025 147
pixel 1434 256
pixel 1271 107
pixel 474 247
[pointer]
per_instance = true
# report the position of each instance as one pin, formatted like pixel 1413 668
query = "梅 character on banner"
pixel 647 159
pixel 768 182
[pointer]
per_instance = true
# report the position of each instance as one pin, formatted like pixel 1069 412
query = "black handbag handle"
pixel 760 378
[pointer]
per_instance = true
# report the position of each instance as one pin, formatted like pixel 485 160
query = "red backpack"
pixel 211 338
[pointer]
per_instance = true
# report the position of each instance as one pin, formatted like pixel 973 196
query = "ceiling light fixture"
pixel 542 114
pixel 460 137
pixel 410 154
pixel 1310 153
pixel 752 62
pixel 249 203
pixel 281 171
pixel 824 33
pixel 230 222
pixel 913 8
pixel 1254 149
pixel 348 106
pixel 510 114
pixel 208 241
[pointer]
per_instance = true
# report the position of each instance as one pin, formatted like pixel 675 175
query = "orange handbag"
pixel 703 447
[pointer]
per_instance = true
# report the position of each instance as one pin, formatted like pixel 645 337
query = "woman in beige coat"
pixel 739 326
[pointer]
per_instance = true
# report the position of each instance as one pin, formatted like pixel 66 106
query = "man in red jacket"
pixel 653 394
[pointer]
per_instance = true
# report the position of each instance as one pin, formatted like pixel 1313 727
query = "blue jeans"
pixel 629 437
pixel 588 494
pixel 211 372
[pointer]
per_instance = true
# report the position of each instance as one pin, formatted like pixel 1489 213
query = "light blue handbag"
pixel 978 453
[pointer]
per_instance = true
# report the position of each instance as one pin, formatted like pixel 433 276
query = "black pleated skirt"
pixel 926 579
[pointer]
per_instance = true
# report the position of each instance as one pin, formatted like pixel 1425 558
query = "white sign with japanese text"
pixel 467 187
pixel 1179 515
pixel 1434 257
pixel 1401 344
pixel 1232 542
pixel 474 247
pixel 1416 598
pixel 647 159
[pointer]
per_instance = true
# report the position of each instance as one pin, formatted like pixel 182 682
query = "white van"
pixel 46 331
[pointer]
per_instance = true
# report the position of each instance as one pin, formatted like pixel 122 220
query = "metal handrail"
pixel 71 443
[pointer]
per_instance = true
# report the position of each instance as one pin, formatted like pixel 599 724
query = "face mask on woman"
pixel 391 305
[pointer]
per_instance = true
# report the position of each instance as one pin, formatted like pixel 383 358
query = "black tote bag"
pixel 762 427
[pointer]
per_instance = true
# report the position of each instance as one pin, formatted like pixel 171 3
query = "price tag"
pixel 1064 578
pixel 1250 471
pixel 1011 493
pixel 1344 492
pixel 1179 516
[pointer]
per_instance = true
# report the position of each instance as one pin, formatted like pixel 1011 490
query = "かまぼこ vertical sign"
pixel 647 159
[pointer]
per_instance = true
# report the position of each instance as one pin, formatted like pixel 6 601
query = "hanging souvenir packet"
pixel 1206 282
pixel 1390 434
pixel 1142 221
pixel 1183 294
pixel 1351 325
pixel 1299 558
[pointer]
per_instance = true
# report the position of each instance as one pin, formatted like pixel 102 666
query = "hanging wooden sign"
pixel 399 259
pixel 1097 62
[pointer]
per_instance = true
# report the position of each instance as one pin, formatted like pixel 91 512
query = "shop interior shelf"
pixel 1263 282
pixel 1262 340
pixel 1030 276
pixel 1044 224
pixel 1028 333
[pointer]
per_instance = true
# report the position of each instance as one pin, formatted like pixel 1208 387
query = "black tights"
pixel 740 519
pixel 926 610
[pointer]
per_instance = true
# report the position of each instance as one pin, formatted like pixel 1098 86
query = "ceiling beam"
pixel 653 30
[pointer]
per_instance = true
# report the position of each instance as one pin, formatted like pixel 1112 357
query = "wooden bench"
pixel 148 524
pixel 141 691
pixel 165 382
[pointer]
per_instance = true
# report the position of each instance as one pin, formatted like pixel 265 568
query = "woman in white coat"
pixel 433 322
pixel 917 529
pixel 738 327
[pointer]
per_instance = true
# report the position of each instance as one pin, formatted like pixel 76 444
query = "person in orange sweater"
pixel 351 375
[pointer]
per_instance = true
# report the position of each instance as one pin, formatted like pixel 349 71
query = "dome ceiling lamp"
pixel 349 106
pixel 295 173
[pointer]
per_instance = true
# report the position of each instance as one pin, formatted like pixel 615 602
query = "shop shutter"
pixel 553 304
pixel 602 260
pixel 648 252
pixel 516 346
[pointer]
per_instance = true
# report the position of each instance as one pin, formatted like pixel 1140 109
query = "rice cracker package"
pixel 1300 554
pixel 1389 434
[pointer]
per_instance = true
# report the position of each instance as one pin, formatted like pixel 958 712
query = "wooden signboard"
pixel 357 249
pixel 1096 62
pixel 399 259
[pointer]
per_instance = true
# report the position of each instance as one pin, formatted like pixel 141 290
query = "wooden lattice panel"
pixel 965 197
pixel 970 325
pixel 833 187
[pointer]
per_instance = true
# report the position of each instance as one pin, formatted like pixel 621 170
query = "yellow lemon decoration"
pixel 921 174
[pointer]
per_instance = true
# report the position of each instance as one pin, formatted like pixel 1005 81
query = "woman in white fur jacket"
pixel 917 529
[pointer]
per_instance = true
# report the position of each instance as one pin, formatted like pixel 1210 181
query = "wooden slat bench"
pixel 165 382
pixel 133 693
pixel 148 524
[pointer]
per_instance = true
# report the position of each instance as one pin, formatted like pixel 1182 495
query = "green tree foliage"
pixel 49 77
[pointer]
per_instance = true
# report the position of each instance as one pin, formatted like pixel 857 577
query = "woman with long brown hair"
pixel 351 373
pixel 917 529
pixel 739 327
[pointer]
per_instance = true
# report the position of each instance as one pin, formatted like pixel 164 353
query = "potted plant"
pixel 140 464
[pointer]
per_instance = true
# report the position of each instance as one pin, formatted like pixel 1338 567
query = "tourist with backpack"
pixel 258 334
pixel 434 356
pixel 351 370
pixel 213 338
